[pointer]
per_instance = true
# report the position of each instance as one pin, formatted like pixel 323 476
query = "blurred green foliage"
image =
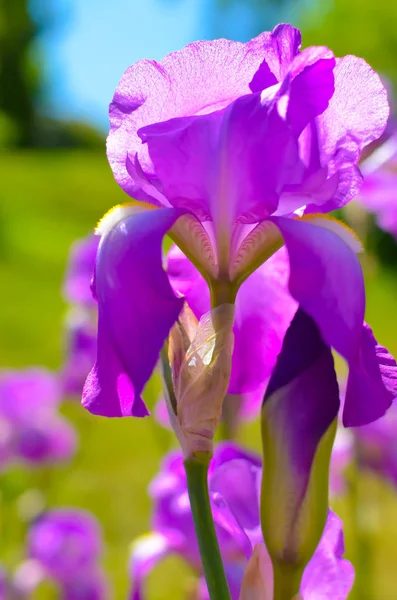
pixel 22 124
pixel 362 27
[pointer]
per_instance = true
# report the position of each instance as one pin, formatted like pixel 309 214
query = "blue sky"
pixel 94 41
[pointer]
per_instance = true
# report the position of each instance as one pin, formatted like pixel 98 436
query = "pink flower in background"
pixel 67 544
pixel 32 429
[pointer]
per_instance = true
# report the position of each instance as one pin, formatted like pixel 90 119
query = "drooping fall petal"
pixel 327 281
pixel 136 310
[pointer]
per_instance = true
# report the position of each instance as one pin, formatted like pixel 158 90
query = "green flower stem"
pixel 287 580
pixel 196 468
pixel 360 505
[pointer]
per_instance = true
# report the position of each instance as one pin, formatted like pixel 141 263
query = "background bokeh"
pixel 60 61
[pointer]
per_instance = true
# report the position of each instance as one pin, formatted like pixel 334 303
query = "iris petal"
pixel 136 309
pixel 327 281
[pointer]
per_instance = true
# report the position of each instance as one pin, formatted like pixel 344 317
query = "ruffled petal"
pixel 356 115
pixel 136 310
pixel 328 576
pixel 200 78
pixel 281 47
pixel 327 281
pixel 373 376
pixel 310 93
pixel 227 165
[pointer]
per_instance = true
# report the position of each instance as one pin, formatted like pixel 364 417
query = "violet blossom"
pixel 234 484
pixel 234 149
pixel 342 456
pixel 3 584
pixel 378 194
pixel 298 422
pixel 80 322
pixel 373 447
pixel 67 544
pixel 32 429
pixel 80 271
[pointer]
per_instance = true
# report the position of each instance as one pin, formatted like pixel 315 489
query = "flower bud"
pixel 197 373
pixel 298 428
pixel 258 577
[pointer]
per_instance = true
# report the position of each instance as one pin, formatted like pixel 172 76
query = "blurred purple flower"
pixel 80 323
pixel 80 271
pixel 3 584
pixel 376 446
pixel 379 191
pixel 67 543
pixel 234 483
pixel 224 144
pixel 31 427
pixel 81 346
pixel 342 456
pixel 373 447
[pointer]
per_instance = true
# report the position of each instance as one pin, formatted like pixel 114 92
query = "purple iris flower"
pixel 376 446
pixel 68 545
pixel 342 456
pixel 378 193
pixel 3 584
pixel 233 149
pixel 80 323
pixel 372 446
pixel 234 483
pixel 81 347
pixel 34 431
pixel 80 271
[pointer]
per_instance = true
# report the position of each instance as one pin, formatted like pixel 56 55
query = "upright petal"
pixel 282 46
pixel 202 77
pixel 310 92
pixel 357 114
pixel 298 426
pixel 327 281
pixel 227 165
pixel 136 309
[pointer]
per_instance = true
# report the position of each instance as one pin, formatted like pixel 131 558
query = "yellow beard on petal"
pixel 120 212
pixel 341 229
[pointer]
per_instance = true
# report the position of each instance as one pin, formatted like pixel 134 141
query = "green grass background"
pixel 47 200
